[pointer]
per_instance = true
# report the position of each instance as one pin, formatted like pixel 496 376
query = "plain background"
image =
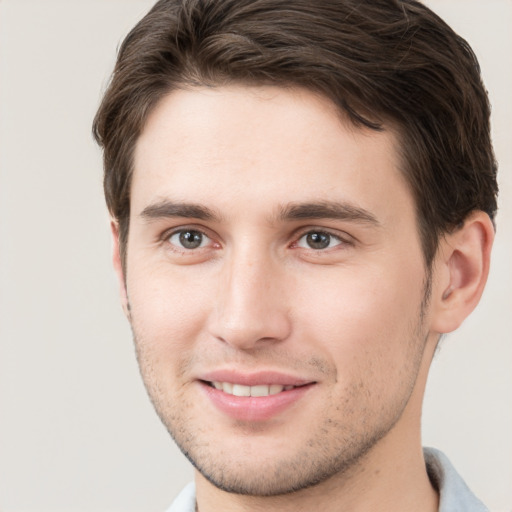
pixel 77 432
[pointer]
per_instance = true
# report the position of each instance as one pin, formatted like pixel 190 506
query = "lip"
pixel 253 379
pixel 254 409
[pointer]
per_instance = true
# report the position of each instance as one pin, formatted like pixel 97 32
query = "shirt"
pixel 454 494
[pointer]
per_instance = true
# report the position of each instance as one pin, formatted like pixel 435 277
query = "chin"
pixel 243 471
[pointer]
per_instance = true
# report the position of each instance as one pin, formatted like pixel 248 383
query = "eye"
pixel 318 240
pixel 188 239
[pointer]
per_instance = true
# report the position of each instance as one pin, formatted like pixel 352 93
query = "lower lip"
pixel 248 408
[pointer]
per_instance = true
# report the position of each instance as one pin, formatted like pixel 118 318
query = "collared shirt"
pixel 454 494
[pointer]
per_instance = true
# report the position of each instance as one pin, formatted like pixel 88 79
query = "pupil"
pixel 191 239
pixel 318 240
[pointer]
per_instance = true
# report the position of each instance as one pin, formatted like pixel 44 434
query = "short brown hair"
pixel 383 63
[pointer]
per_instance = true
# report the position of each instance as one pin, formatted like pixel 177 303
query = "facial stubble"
pixel 315 461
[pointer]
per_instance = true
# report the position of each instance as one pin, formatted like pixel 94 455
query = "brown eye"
pixel 188 239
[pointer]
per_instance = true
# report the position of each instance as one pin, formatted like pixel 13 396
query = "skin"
pixel 352 319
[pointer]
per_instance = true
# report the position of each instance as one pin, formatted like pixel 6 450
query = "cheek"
pixel 366 320
pixel 167 315
pixel 168 308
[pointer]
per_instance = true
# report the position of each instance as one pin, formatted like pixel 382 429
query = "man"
pixel 302 196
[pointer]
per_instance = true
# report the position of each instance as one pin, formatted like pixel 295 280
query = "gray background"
pixel 77 432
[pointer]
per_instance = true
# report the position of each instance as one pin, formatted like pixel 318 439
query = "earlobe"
pixel 462 268
pixel 118 267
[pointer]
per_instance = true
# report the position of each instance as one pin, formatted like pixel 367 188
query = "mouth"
pixel 258 390
pixel 254 398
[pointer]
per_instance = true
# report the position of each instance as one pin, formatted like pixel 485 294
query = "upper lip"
pixel 254 378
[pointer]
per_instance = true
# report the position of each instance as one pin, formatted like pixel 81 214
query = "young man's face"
pixel 273 250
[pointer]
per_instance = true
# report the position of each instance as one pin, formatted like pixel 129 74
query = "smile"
pixel 254 391
pixel 253 401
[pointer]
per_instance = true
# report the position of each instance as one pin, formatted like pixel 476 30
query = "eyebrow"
pixel 290 212
pixel 328 210
pixel 169 209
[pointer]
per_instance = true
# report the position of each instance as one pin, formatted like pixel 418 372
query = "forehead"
pixel 261 145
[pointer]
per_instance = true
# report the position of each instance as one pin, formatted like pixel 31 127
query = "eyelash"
pixel 166 238
pixel 341 241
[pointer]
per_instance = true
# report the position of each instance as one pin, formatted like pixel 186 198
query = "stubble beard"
pixel 317 460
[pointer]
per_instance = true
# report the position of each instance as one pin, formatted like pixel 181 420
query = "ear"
pixel 461 269
pixel 118 267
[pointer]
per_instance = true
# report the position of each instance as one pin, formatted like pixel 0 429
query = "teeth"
pixel 239 390
pixel 259 390
pixel 274 389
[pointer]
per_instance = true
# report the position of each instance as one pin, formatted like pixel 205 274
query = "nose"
pixel 251 308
